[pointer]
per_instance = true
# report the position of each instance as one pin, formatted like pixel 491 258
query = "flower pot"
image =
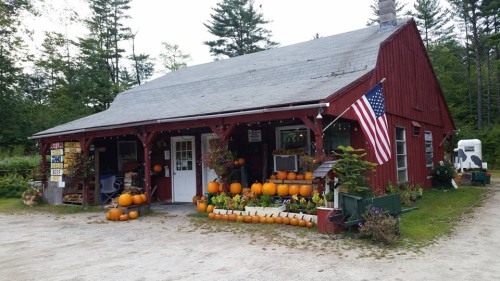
pixel 329 204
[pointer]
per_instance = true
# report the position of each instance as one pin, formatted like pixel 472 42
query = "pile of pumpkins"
pixel 296 220
pixel 284 175
pixel 281 189
pixel 125 200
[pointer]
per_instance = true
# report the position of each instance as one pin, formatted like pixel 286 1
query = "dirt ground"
pixel 171 246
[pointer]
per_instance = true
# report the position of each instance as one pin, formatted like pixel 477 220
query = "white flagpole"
pixel 324 129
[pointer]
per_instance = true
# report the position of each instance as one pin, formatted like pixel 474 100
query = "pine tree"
pixel 434 22
pixel 238 28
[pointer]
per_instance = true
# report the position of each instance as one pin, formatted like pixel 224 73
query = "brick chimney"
pixel 387 13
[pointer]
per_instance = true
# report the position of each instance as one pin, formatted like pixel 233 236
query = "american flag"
pixel 370 111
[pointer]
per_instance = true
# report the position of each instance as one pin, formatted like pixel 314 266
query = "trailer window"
pixel 469 148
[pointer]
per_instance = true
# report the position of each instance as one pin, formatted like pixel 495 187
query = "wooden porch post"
pixel 85 145
pixel 223 132
pixel 317 128
pixel 43 161
pixel 146 139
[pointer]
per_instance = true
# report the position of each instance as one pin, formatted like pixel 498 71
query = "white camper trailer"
pixel 469 155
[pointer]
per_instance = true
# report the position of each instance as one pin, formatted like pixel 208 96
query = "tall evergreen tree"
pixel 13 106
pixel 238 28
pixel 434 22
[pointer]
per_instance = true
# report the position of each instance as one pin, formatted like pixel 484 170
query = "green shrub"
pixel 379 226
pixel 409 193
pixel 443 174
pixel 23 165
pixel 12 186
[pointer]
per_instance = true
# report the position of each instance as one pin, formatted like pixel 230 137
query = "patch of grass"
pixel 438 212
pixel 15 205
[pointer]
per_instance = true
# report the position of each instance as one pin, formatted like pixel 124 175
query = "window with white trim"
pixel 402 168
pixel 429 151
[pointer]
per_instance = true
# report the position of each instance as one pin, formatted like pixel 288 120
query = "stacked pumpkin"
pixel 284 175
pixel 125 200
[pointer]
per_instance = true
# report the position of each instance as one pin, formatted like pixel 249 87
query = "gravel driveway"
pixel 171 246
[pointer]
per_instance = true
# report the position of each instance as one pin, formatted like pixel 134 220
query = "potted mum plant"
pixel 220 159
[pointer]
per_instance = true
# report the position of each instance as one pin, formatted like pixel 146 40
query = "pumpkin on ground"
pixel 137 199
pixel 133 215
pixel 125 200
pixel 235 188
pixel 256 188
pixel 310 224
pixel 144 197
pixel 212 187
pixel 255 218
pixel 278 220
pixel 286 220
pixel 124 217
pixel 211 216
pixel 114 214
pixel 210 208
pixel 270 219
pixel 247 219
pixel 294 221
pixel 269 188
pixel 201 206
pixel 232 217
pixel 282 189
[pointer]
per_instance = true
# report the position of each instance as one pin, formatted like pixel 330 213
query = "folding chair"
pixel 108 188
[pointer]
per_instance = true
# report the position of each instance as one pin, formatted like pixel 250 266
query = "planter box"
pixel 261 211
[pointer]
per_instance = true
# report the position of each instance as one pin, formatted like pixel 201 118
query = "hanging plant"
pixel 219 158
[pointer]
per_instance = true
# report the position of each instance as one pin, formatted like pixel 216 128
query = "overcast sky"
pixel 181 21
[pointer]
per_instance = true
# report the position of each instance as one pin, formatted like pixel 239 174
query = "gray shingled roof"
pixel 301 73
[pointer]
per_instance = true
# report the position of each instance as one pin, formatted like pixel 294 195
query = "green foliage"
pixel 409 193
pixel 25 166
pixel 172 57
pixel 438 212
pixel 379 226
pixel 443 174
pixel 434 22
pixel 352 170
pixel 237 26
pixel 12 186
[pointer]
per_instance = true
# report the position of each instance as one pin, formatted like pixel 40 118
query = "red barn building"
pixel 271 102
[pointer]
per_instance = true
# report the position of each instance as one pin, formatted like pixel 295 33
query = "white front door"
pixel 184 169
pixel 207 173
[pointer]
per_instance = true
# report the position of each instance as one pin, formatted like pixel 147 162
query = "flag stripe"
pixel 370 110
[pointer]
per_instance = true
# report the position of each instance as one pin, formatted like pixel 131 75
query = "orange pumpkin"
pixel 278 220
pixel 114 214
pixel 256 188
pixel 305 190
pixel 211 216
pixel 255 218
pixel 310 224
pixel 286 220
pixel 157 168
pixel 236 163
pixel 235 188
pixel 300 177
pixel 241 160
pixel 195 199
pixel 302 222
pixel 210 208
pixel 247 219
pixel 212 187
pixel 291 176
pixel 125 200
pixel 137 199
pixel 270 219
pixel 294 189
pixel 201 206
pixel 281 175
pixel 294 221
pixel 203 198
pixel 282 189
pixel 133 215
pixel 308 176
pixel 269 188
pixel 144 197
pixel 272 177
pixel 124 217
pixel 232 217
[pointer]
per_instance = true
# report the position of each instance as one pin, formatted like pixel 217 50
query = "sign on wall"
pixel 254 135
